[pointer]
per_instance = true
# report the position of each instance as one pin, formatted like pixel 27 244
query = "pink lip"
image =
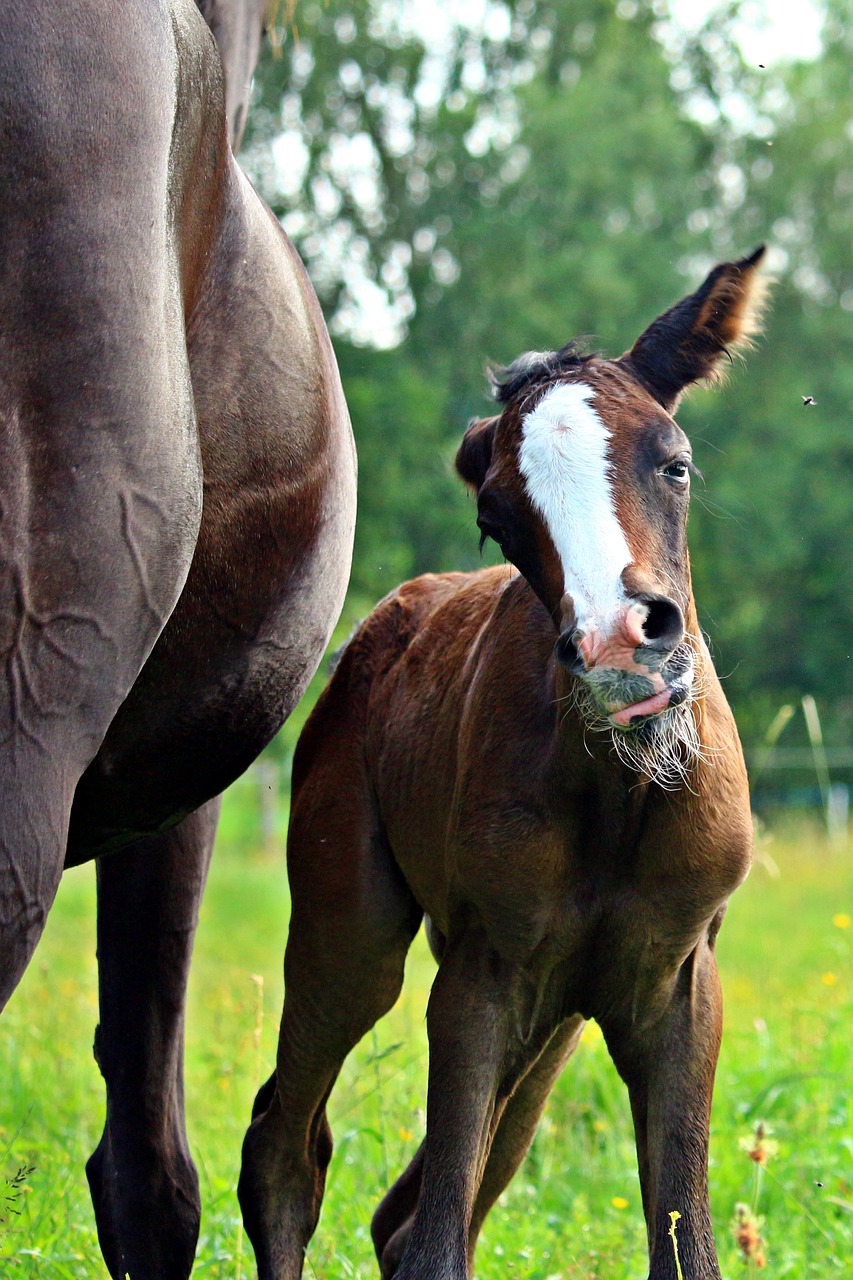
pixel 650 707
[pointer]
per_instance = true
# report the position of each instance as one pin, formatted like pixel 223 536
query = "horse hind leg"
pixel 392 1221
pixel 353 919
pixel 143 1182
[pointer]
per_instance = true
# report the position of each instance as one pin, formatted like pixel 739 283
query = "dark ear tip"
pixel 754 258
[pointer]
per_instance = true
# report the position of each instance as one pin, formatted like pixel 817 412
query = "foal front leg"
pixel 475 1060
pixel 143 1181
pixel 513 1131
pixel 669 1069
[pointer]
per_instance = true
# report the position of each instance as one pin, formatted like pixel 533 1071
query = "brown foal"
pixel 543 763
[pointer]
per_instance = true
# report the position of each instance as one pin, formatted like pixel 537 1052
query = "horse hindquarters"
pixel 100 485
pixel 272 558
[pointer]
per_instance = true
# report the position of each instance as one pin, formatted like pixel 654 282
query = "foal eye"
pixel 679 471
pixel 493 531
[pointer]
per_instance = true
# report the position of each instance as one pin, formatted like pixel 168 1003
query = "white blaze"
pixel 564 461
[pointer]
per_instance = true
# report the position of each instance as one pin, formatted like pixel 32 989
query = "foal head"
pixel 583 481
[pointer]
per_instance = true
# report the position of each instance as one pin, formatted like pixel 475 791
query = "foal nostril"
pixel 663 628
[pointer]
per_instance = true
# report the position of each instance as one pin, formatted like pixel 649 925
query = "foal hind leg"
pixel 353 919
pixel 143 1182
pixel 515 1126
pixel 518 1123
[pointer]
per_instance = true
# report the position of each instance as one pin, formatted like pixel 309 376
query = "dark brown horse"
pixel 544 764
pixel 177 482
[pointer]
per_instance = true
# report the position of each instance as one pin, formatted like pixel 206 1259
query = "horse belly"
pixel 272 560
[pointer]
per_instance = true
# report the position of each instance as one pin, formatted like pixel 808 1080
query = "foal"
pixel 543 763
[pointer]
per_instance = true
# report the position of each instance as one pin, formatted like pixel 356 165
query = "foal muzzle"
pixel 632 675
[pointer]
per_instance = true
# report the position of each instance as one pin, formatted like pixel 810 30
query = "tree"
pixel 561 170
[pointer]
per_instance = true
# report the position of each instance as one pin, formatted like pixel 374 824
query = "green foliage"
pixel 573 1210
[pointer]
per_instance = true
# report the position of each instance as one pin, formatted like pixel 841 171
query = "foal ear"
pixel 474 455
pixel 688 341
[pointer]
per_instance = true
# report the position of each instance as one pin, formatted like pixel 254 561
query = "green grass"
pixel 573 1212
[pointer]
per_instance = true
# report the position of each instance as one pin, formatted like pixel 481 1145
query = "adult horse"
pixel 177 479
pixel 451 769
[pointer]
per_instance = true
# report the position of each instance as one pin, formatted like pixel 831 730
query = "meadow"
pixel 782 1131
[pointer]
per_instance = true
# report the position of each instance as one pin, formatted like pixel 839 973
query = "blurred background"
pixel 470 179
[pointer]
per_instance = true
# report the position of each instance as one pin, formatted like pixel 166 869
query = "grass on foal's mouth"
pixel 573 1212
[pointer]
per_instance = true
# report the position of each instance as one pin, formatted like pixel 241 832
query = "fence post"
pixel 837 814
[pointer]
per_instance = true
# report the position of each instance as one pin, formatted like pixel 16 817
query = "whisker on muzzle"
pixel 665 748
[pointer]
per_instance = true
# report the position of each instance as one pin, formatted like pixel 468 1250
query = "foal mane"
pixel 535 369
